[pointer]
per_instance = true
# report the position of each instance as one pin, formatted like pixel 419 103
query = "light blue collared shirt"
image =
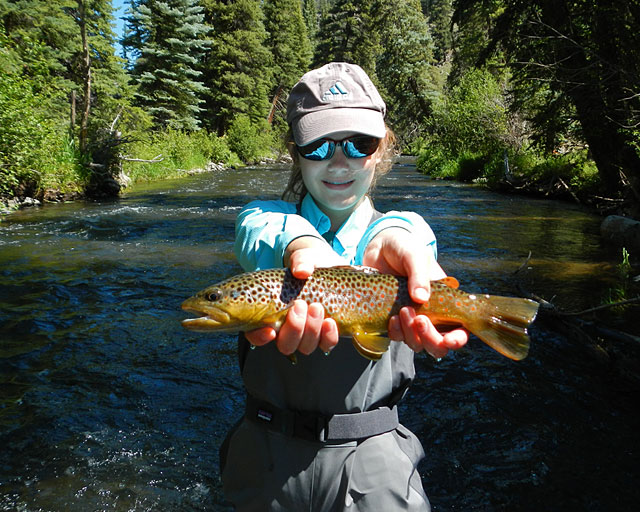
pixel 264 229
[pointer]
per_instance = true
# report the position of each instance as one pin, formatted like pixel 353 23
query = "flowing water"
pixel 106 403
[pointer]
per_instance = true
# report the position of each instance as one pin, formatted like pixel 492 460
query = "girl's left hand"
pixel 394 251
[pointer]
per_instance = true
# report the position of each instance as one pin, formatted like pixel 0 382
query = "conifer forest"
pixel 539 95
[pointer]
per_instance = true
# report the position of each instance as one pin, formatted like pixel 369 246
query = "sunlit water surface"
pixel 106 403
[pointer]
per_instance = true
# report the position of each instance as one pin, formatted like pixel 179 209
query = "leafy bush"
pixel 473 114
pixel 34 151
pixel 431 160
pixel 471 166
pixel 175 152
pixel 250 140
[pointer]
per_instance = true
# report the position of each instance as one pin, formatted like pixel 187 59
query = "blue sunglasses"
pixel 353 147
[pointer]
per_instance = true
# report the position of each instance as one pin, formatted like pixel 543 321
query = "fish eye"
pixel 213 296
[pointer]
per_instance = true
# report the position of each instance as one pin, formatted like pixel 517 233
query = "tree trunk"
pixel 72 121
pixel 86 65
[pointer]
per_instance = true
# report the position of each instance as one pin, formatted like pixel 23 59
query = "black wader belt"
pixel 313 426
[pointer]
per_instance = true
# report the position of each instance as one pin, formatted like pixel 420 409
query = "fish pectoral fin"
pixel 276 319
pixel 449 281
pixel 371 345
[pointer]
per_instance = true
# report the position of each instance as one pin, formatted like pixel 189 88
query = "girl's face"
pixel 339 184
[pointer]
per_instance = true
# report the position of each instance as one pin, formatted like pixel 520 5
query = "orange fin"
pixel 449 281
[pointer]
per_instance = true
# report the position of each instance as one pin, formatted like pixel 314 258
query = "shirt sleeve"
pixel 264 229
pixel 411 221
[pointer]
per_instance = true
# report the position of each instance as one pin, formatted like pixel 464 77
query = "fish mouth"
pixel 211 319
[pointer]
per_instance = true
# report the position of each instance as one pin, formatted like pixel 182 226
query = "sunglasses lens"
pixel 354 147
pixel 319 150
pixel 359 147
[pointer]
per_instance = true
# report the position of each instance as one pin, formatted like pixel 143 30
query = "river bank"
pixel 622 233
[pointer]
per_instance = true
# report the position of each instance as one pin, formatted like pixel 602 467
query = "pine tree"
pixel 167 40
pixel 348 33
pixel 238 69
pixel 46 38
pixel 289 45
pixel 439 13
pixel 311 16
pixel 405 68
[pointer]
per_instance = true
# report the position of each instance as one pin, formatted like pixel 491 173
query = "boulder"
pixel 622 231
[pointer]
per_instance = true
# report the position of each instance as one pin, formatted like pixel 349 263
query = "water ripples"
pixel 107 403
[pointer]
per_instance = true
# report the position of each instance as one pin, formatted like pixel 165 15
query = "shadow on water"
pixel 107 404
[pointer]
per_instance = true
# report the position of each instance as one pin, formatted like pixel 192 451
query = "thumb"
pixel 417 280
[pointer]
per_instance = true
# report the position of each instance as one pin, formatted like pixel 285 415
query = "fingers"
pixel 292 330
pixel 312 329
pixel 329 335
pixel 305 329
pixel 301 267
pixel 262 336
pixel 419 334
pixel 418 281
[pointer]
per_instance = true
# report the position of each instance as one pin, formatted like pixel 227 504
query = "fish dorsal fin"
pixel 371 345
pixel 449 281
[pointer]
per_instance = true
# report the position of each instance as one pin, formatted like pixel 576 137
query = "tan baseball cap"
pixel 337 97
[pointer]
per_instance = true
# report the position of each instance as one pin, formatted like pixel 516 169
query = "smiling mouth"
pixel 338 185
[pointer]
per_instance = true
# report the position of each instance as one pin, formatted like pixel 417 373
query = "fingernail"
pixel 421 294
pixel 298 308
pixel 303 268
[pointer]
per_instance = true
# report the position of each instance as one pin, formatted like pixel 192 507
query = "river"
pixel 106 403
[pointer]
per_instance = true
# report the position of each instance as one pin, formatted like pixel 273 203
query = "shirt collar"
pixel 350 233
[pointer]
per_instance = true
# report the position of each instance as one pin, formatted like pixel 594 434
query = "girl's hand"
pixel 394 251
pixel 305 327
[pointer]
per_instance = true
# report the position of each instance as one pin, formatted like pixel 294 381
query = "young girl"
pixel 323 434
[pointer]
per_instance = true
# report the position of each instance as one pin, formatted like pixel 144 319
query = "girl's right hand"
pixel 305 327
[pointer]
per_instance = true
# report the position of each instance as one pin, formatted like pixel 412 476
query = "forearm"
pixel 264 230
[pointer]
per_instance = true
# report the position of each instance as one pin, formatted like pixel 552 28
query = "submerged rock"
pixel 622 231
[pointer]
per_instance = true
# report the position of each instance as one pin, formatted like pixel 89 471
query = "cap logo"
pixel 335 92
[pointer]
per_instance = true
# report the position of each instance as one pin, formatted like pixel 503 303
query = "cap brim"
pixel 316 125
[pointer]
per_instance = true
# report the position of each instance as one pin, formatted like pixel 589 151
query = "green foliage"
pixel 467 166
pixel 439 13
pixel 176 151
pixel 349 33
pixel 249 140
pixel 406 68
pixel 620 291
pixel 33 151
pixel 168 40
pixel 473 115
pixel 575 67
pixel 238 70
pixel 288 41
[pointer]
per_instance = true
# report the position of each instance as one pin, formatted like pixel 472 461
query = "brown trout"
pixel 361 301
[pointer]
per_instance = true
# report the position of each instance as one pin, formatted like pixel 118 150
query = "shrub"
pixel 34 151
pixel 470 166
pixel 250 140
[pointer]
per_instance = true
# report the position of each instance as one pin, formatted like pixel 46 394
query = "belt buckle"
pixel 310 426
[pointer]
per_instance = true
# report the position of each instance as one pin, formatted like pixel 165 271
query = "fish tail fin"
pixel 505 328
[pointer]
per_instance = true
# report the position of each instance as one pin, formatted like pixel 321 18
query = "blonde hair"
pixel 296 188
